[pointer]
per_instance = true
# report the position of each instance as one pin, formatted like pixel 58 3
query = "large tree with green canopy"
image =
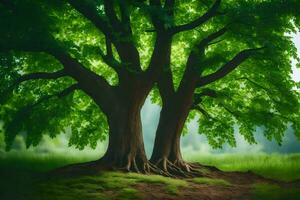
pixel 80 64
pixel 232 66
pixel 90 64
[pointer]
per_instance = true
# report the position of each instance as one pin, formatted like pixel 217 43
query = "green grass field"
pixel 285 167
pixel 19 171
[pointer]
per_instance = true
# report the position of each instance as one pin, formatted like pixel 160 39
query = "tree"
pixel 79 64
pixel 90 64
pixel 231 66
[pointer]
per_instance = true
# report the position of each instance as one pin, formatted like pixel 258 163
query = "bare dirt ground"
pixel 241 188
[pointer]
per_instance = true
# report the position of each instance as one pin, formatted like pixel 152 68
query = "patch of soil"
pixel 194 192
pixel 240 189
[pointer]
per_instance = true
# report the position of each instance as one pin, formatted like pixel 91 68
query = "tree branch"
pixel 41 75
pixel 109 51
pixel 34 76
pixel 254 83
pixel 111 14
pixel 206 92
pixel 125 16
pixel 60 94
pixel 228 67
pixel 88 9
pixel 267 90
pixel 208 116
pixel 169 6
pixel 26 110
pixel 198 52
pixel 203 111
pixel 109 59
pixel 197 22
pixel 90 82
pixel 78 72
pixel 68 90
pixel 206 41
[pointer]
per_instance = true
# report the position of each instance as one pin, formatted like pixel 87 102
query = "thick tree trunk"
pixel 166 152
pixel 126 147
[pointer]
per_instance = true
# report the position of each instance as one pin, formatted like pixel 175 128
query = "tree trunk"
pixel 126 147
pixel 166 152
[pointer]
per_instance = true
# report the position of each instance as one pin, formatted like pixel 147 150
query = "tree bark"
pixel 166 152
pixel 126 148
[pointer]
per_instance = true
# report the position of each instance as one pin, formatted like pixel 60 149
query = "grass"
pixel 41 162
pixel 285 167
pixel 25 184
pixel 97 187
pixel 274 192
pixel 210 181
pixel 22 176
pixel 103 186
pixel 171 185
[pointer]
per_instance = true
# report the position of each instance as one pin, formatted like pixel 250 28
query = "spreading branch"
pixel 27 110
pixel 34 76
pixel 109 59
pixel 80 73
pixel 208 116
pixel 41 75
pixel 199 21
pixel 125 16
pixel 111 14
pixel 169 6
pixel 59 94
pixel 254 83
pixel 90 82
pixel 88 10
pixel 205 92
pixel 228 67
pixel 267 90
pixel 206 41
pixel 109 51
pixel 203 111
pixel 195 58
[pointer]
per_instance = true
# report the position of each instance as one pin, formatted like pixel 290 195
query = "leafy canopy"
pixel 259 92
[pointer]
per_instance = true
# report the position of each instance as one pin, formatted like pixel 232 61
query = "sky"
pixel 191 143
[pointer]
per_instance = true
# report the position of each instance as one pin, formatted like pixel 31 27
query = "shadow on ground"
pixel 29 185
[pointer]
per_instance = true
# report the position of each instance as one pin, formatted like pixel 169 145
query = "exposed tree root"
pixel 164 167
pixel 178 168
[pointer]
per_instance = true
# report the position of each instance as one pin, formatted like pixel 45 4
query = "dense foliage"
pixel 260 92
